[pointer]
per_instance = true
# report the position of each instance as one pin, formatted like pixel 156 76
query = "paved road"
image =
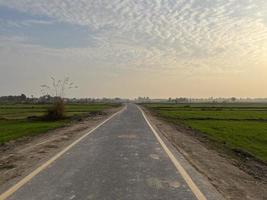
pixel 121 160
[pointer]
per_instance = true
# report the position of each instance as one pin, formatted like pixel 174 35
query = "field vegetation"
pixel 18 120
pixel 241 127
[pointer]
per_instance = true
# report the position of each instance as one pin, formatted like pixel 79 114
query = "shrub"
pixel 56 111
pixel 56 93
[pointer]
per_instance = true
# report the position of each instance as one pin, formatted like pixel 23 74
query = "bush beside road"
pixel 19 120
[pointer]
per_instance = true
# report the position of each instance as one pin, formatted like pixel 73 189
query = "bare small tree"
pixel 57 90
pixel 58 87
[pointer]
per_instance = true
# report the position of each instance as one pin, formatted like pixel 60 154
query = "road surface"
pixel 120 160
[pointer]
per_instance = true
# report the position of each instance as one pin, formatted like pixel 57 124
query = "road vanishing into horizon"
pixel 120 160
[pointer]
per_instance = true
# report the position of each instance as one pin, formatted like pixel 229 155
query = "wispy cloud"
pixel 165 34
pixel 181 36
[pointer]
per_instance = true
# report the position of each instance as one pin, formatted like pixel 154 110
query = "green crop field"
pixel 16 122
pixel 237 125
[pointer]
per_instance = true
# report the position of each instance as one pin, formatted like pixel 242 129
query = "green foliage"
pixel 22 111
pixel 56 111
pixel 235 125
pixel 13 129
pixel 250 136
pixel 18 120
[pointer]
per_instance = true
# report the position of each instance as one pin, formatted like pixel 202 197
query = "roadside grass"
pixel 209 105
pixel 216 115
pixel 250 137
pixel 238 127
pixel 15 119
pixel 14 129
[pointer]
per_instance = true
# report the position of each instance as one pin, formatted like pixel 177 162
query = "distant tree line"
pixel 23 99
pixel 48 99
pixel 14 99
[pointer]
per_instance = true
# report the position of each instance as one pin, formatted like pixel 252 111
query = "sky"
pixel 131 48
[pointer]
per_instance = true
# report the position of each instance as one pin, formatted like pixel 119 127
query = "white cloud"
pixel 170 34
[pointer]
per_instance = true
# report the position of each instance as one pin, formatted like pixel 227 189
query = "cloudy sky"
pixel 129 48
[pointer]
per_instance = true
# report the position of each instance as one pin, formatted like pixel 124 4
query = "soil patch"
pixel 235 177
pixel 19 157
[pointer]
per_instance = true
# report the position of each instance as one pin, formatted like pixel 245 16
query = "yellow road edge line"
pixel 199 195
pixel 26 179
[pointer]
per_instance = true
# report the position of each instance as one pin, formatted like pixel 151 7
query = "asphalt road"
pixel 121 160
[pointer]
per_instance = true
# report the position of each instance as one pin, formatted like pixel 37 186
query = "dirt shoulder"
pixel 18 158
pixel 228 175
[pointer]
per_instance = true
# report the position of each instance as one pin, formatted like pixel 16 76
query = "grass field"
pixel 15 122
pixel 236 126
